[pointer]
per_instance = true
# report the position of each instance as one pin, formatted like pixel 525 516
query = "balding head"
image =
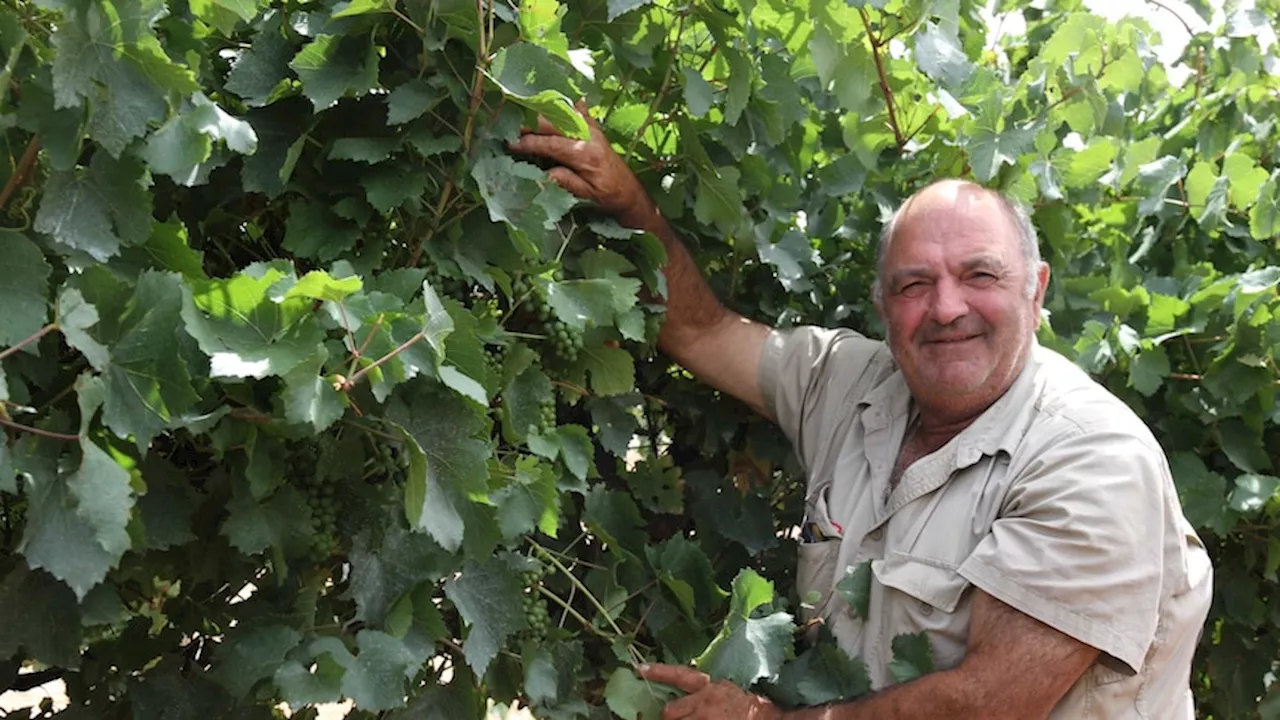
pixel 963 193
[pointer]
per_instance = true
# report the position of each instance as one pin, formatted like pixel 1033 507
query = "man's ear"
pixel 1042 286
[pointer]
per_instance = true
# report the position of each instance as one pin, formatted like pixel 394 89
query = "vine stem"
pixel 24 168
pixel 586 592
pixel 347 383
pixel 662 89
pixel 876 45
pixel 34 337
pixel 568 609
pixel 6 422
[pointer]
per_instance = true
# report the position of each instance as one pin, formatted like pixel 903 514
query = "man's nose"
pixel 949 302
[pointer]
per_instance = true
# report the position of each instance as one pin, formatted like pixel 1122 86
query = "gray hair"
pixel 1028 242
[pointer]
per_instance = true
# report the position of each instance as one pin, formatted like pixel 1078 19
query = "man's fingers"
pixel 677 676
pixel 561 149
pixel 571 181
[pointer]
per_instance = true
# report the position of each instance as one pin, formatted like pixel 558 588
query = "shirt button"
pixel 926 609
pixel 876 534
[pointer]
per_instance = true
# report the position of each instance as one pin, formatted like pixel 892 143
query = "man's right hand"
pixel 591 170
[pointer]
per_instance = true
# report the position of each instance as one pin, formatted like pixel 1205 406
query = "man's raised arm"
pixel 719 346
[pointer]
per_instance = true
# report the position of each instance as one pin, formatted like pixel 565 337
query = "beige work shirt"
pixel 1057 501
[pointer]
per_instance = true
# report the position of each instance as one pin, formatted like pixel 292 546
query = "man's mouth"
pixel 953 340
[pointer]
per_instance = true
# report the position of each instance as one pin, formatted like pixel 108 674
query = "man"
pixel 1011 508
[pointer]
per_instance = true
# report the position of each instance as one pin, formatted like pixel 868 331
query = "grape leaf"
pixel 612 370
pixel 1154 180
pixel 167 506
pixel 529 76
pixel 618 8
pixel 250 653
pixel 823 674
pixel 385 568
pixel 485 595
pixel 522 400
pixel 410 100
pixel 103 497
pixel 741 77
pixel 245 332
pixel 1264 218
pixel 912 657
pixel 633 698
pixel 1148 370
pixel 1252 492
pixel 748 648
pixel 941 57
pixel 38 614
pixel 698 93
pixel 530 501
pixel 315 232
pixel 446 428
pixel 299 686
pixel 225 14
pixel 1203 493
pixel 377 677
pixel 334 66
pixel 684 568
pixel 311 398
pixel 24 289
pixel 282 521
pixel 550 671
pixel 58 538
pixel 855 587
pixel 168 692
pixel 148 385
pixel 259 72
pixel 181 146
pixel 616 519
pixel 520 194
pixel 98 210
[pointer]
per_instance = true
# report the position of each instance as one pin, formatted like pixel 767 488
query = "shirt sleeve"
pixel 807 373
pixel 1078 544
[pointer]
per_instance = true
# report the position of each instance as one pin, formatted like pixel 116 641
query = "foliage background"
pixel 281 313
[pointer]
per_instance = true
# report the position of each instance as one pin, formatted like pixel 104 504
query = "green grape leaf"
pixel 912 657
pixel 1245 177
pixel 719 200
pixel 1264 218
pixel 40 615
pixel 941 57
pixel 335 66
pixel 315 232
pixel 1148 370
pixel 310 398
pixel 24 289
pixel 282 521
pixel 365 150
pixel 685 570
pixel 633 698
pixel 550 672
pixel 615 518
pixel 225 14
pixel 299 686
pixel 260 72
pixel 386 568
pixel 1203 493
pixel 741 75
pixel 103 497
pixel 618 8
pixel 522 401
pixel 245 330
pixel 251 653
pixel 748 648
pixel 529 76
pixel 411 100
pixel 485 595
pixel 520 194
pixel 1154 180
pixel 530 501
pixel 855 587
pixel 823 674
pixel 699 95
pixel 99 210
pixel 1252 492
pixel 612 370
pixel 376 679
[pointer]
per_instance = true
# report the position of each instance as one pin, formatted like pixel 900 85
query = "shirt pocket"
pixel 815 573
pixel 925 595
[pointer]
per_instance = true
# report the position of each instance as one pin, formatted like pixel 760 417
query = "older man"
pixel 1011 508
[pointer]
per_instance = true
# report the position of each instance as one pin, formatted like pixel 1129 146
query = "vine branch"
pixel 876 46
pixel 27 341
pixel 346 384
pixel 23 169
pixel 6 422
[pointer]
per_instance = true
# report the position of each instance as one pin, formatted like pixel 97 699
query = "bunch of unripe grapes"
pixel 565 340
pixel 318 492
pixel 547 415
pixel 534 606
pixel 493 357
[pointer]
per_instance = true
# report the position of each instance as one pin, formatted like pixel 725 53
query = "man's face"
pixel 955 303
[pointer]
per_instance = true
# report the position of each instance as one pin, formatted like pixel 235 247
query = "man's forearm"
pixel 946 694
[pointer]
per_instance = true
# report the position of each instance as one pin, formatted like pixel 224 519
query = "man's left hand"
pixel 707 700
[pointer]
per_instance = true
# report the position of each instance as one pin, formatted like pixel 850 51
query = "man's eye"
pixel 983 278
pixel 912 289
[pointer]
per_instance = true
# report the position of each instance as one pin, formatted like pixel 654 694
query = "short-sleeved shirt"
pixel 1057 501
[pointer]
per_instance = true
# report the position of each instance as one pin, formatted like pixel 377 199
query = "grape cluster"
pixel 565 340
pixel 547 415
pixel 493 357
pixel 534 606
pixel 318 493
